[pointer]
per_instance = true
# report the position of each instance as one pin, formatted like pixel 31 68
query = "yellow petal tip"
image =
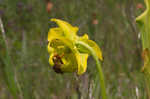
pixel 52 19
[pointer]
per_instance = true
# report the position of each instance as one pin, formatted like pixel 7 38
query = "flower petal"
pixel 54 33
pixel 85 36
pixel 82 63
pixel 93 45
pixel 68 29
pixel 51 60
pixel 49 48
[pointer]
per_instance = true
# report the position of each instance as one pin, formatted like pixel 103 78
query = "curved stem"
pixel 98 65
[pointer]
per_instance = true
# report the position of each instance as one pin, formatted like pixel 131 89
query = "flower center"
pixel 58 63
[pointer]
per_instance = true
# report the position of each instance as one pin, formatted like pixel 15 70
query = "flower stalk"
pixel 98 65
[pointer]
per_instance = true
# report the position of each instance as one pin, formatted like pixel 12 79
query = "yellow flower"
pixel 65 54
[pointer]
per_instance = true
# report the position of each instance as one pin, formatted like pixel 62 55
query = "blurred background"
pixel 111 23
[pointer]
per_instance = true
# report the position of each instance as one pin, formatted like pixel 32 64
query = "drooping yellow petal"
pixel 93 45
pixel 54 33
pixel 82 63
pixel 68 29
pixel 85 36
pixel 51 59
pixel 49 48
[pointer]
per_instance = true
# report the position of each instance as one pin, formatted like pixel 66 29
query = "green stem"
pixel 98 65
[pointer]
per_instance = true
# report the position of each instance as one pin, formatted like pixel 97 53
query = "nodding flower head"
pixel 64 54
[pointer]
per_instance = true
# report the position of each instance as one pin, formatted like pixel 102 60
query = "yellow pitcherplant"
pixel 66 52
